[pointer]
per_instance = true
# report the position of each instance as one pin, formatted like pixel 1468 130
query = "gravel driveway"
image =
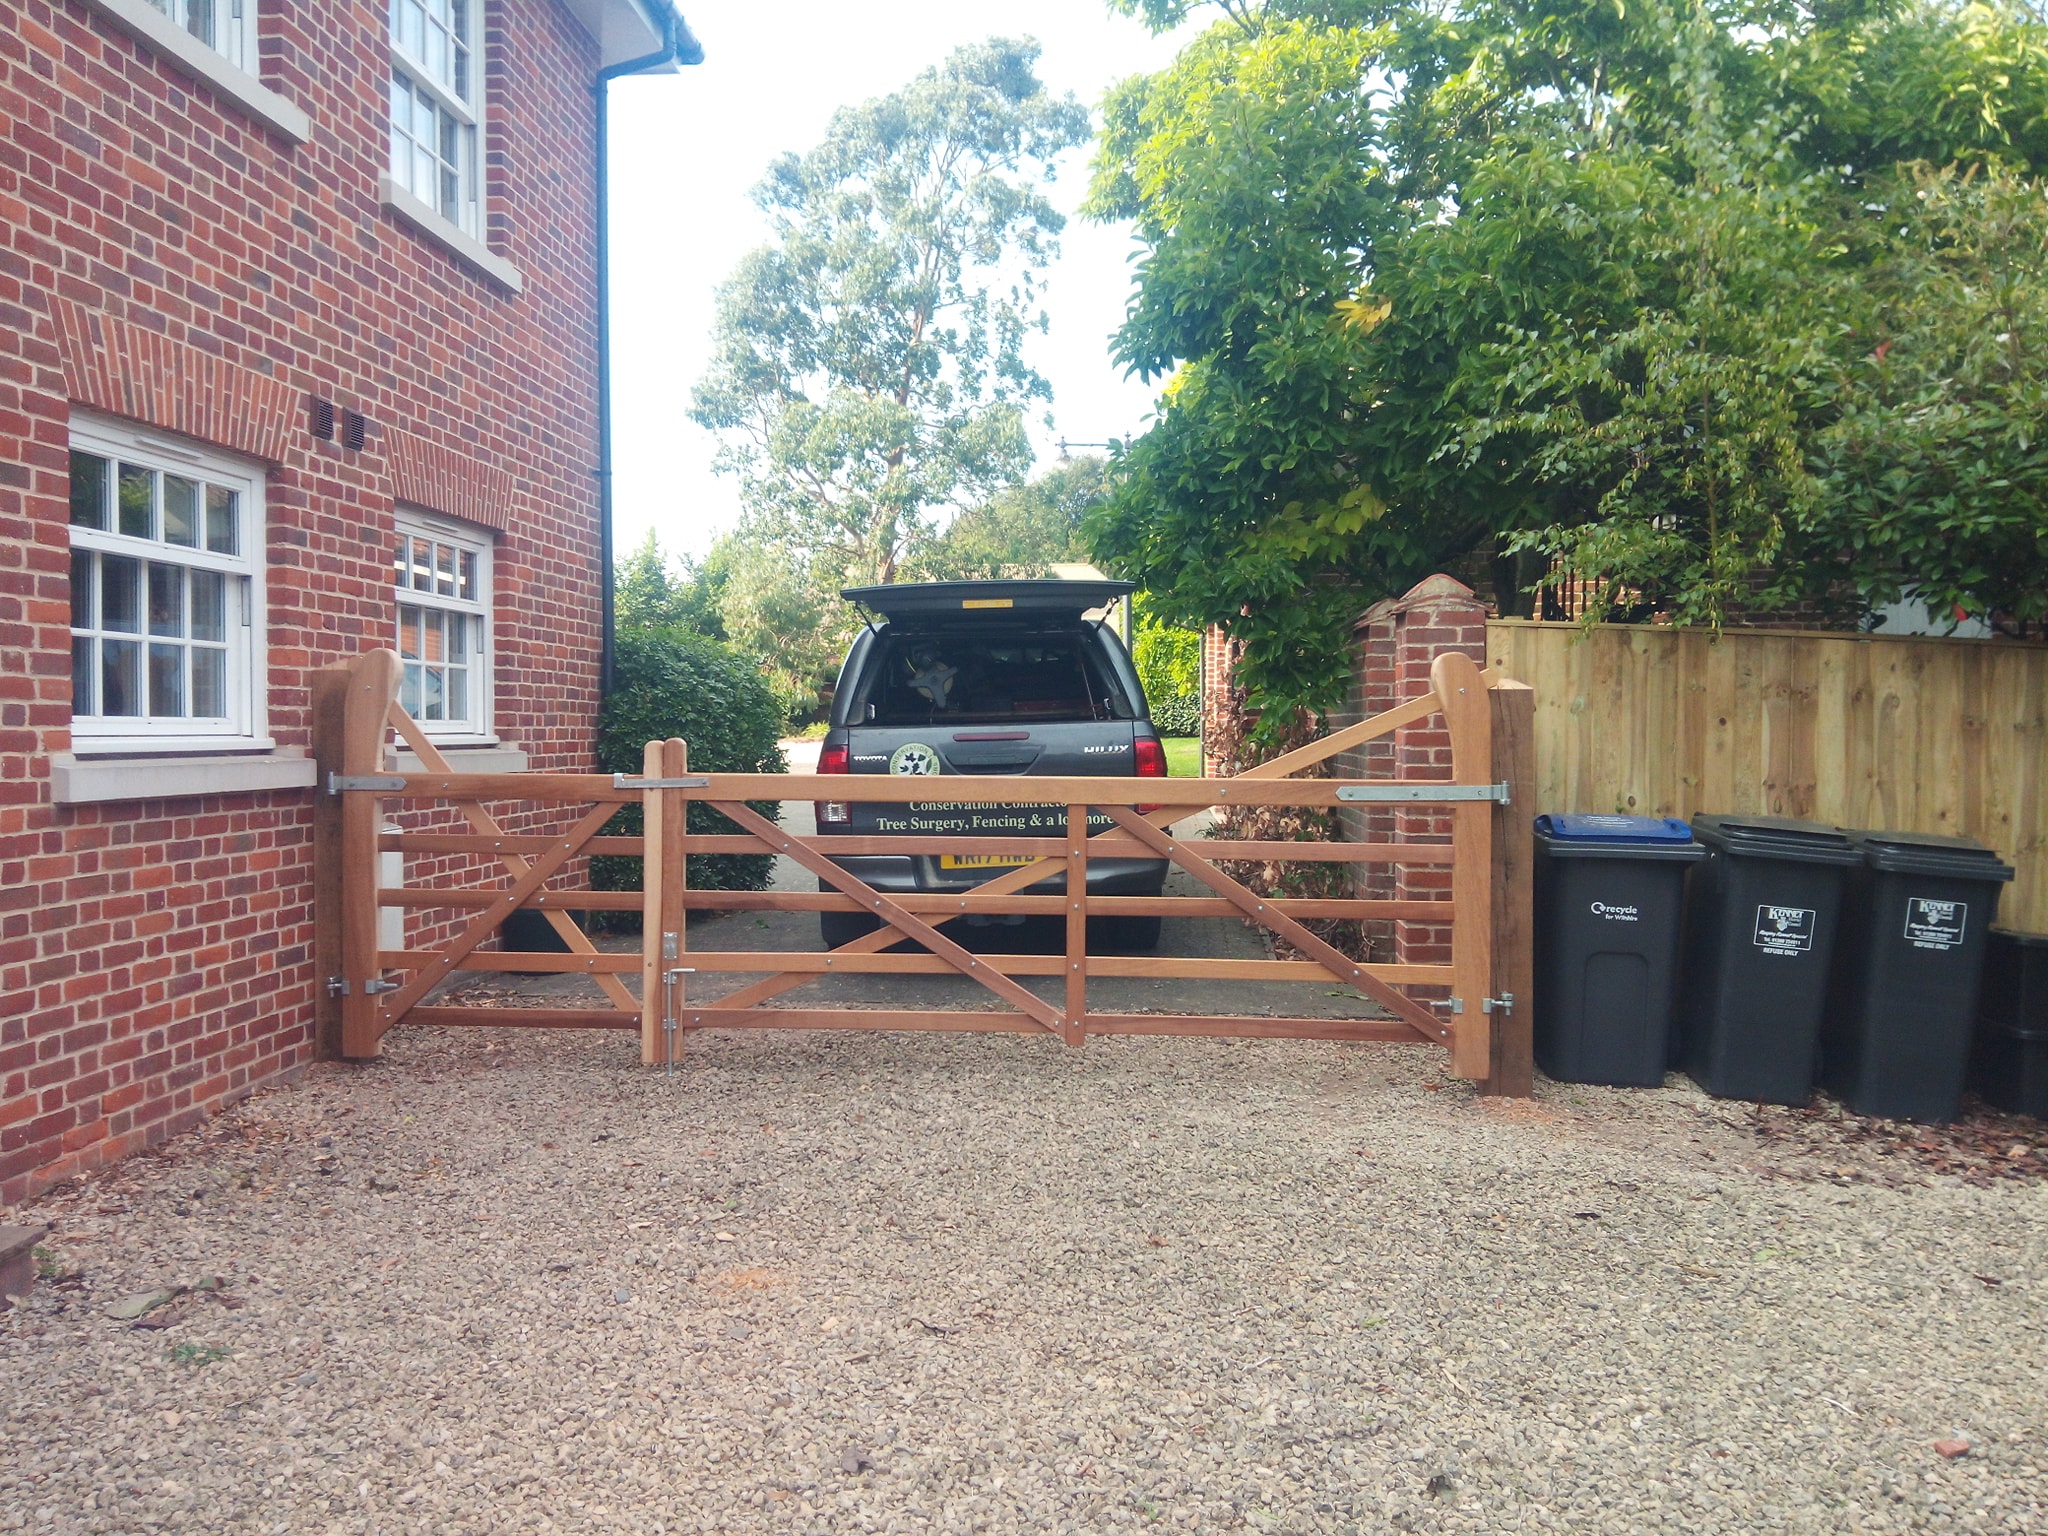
pixel 506 1283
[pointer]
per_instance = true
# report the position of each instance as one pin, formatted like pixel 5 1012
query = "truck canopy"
pixel 922 604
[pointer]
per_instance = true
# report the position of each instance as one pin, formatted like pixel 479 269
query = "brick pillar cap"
pixel 1431 589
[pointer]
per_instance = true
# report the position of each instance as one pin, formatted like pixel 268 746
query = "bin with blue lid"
pixel 1761 913
pixel 1608 897
pixel 1896 1037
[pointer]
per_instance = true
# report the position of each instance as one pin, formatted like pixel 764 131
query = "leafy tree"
pixel 868 369
pixel 654 590
pixel 1169 663
pixel 1020 531
pixel 1631 288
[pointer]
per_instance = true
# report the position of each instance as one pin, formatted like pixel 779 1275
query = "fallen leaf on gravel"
pixel 1586 1215
pixel 1951 1448
pixel 1156 1240
pixel 129 1307
pixel 1991 1280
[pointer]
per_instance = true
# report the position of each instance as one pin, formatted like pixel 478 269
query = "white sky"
pixel 687 148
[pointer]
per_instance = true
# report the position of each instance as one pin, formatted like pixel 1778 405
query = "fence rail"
pixel 376 987
pixel 1902 733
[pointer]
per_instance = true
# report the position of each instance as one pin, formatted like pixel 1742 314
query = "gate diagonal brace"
pixel 484 823
pixel 905 923
pixel 1338 964
pixel 486 922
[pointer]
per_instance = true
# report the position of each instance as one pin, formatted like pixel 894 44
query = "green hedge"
pixel 1180 715
pixel 671 682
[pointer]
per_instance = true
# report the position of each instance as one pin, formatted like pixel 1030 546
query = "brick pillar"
pixel 1394 643
pixel 1219 662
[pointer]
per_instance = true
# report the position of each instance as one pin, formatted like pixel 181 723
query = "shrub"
pixel 1179 715
pixel 672 682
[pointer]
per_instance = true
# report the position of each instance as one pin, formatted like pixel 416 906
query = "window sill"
pixel 76 780
pixel 186 53
pixel 483 758
pixel 449 236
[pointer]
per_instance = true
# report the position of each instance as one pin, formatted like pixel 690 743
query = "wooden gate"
pixel 1481 1016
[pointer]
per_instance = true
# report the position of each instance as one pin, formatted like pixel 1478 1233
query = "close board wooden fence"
pixel 1899 733
pixel 1484 1024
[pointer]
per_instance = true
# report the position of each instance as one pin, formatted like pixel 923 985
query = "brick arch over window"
pixel 128 370
pixel 442 480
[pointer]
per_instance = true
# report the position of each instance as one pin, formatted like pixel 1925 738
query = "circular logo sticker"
pixel 914 757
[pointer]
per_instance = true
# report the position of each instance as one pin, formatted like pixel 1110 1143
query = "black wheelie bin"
pixel 2010 1064
pixel 1915 913
pixel 1608 894
pixel 1761 911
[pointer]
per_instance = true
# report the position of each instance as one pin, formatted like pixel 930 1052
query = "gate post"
pixel 664 941
pixel 351 710
pixel 1462 695
pixel 1512 1072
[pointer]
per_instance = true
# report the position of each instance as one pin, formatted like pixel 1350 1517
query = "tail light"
pixel 833 760
pixel 1151 761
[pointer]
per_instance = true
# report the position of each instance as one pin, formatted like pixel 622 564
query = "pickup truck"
pixel 986 677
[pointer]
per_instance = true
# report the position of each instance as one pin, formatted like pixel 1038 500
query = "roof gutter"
pixel 679 46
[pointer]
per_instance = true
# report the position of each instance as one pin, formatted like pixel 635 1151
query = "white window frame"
pixel 408 523
pixel 468 113
pixel 234 27
pixel 246 682
pixel 233 82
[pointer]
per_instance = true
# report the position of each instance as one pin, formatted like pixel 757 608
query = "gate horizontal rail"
pixel 1476 1021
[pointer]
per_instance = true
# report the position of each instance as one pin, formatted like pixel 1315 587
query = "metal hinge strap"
pixel 627 781
pixel 1420 794
pixel 388 783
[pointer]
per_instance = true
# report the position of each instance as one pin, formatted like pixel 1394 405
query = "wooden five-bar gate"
pixel 1479 1012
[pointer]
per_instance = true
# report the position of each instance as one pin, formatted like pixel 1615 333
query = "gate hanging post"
pixel 1462 694
pixel 652 993
pixel 664 869
pixel 371 690
pixel 664 873
pixel 1076 1030
pixel 1512 1073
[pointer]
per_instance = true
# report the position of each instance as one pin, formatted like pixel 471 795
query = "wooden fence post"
pixel 1513 1070
pixel 664 871
pixel 652 999
pixel 1462 693
pixel 330 694
pixel 367 697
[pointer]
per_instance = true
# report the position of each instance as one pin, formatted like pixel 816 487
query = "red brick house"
pixel 299 353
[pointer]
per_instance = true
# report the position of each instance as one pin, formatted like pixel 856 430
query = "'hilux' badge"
pixel 1100 751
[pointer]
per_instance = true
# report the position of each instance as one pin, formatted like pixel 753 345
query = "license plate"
pixel 983 860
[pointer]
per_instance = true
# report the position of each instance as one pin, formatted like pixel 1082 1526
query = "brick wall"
pixel 1394 644
pixel 164 258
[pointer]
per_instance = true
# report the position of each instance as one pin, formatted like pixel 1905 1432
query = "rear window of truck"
pixel 980 679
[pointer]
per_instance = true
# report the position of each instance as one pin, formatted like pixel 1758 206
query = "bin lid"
pixel 1777 837
pixel 1574 828
pixel 1926 853
pixel 1617 837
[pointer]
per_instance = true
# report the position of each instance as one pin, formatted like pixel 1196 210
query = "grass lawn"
pixel 1183 757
